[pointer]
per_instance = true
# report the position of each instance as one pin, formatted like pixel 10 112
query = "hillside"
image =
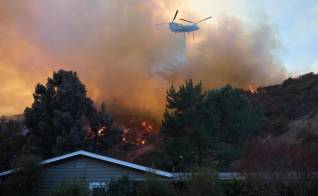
pixel 291 110
pixel 290 115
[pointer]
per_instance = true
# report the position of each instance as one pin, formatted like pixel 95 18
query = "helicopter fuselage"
pixel 180 28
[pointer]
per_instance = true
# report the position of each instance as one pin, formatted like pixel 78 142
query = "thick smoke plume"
pixel 121 55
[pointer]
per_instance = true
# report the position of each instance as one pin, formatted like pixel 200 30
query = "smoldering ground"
pixel 122 56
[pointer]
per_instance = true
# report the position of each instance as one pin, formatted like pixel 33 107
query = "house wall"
pixel 86 169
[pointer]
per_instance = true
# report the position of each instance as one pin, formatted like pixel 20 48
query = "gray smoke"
pixel 122 56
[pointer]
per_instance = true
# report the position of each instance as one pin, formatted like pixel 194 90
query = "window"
pixel 96 187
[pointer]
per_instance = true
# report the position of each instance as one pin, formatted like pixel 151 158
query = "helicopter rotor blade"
pixel 175 16
pixel 186 20
pixel 203 20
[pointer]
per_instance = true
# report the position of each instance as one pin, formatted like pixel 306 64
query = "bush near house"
pixel 25 179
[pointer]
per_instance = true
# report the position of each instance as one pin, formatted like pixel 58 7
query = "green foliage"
pixel 203 181
pixel 121 187
pixel 155 187
pixel 232 187
pixel 226 153
pixel 182 108
pixel 180 152
pixel 11 141
pixel 202 124
pixel 61 115
pixel 25 179
pixel 70 189
pixel 237 119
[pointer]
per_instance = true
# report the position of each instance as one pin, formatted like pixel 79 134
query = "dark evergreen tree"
pixel 237 118
pixel 182 120
pixel 62 116
pixel 207 124
pixel 182 108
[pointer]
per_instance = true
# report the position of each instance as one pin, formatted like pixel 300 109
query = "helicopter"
pixel 181 28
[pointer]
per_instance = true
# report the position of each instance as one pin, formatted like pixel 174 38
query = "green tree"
pixel 11 141
pixel 202 125
pixel 62 116
pixel 237 121
pixel 183 121
pixel 237 118
pixel 182 108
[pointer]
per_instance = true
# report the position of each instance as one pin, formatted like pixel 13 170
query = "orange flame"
pixel 146 126
pixel 101 131
pixel 137 132
pixel 252 89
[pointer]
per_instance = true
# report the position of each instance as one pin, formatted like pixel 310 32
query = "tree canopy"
pixel 204 123
pixel 11 141
pixel 62 118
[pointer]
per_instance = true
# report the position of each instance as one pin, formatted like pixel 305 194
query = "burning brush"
pixel 252 89
pixel 136 132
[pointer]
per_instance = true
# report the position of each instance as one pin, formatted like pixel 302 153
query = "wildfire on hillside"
pixel 252 89
pixel 136 132
pixel 101 131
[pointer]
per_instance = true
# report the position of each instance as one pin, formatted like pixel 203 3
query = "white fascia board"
pixel 103 158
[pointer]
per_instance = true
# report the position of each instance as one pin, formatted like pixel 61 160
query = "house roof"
pixel 102 158
pixel 220 176
pixel 176 176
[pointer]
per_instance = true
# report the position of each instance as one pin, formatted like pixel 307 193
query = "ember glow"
pixel 252 89
pixel 136 132
pixel 122 57
pixel 101 131
pixel 146 126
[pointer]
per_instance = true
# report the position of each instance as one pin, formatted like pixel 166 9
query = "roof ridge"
pixel 102 158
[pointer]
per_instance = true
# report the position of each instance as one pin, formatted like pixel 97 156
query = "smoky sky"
pixel 122 56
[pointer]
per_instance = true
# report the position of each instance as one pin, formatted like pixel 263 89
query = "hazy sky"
pixel 296 22
pixel 125 59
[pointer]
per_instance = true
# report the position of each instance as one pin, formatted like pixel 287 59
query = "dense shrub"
pixel 203 181
pixel 121 187
pixel 203 124
pixel 24 180
pixel 155 187
pixel 70 189
pixel 11 142
pixel 232 187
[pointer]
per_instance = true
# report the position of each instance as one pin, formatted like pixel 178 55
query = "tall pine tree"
pixel 206 124
pixel 61 116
